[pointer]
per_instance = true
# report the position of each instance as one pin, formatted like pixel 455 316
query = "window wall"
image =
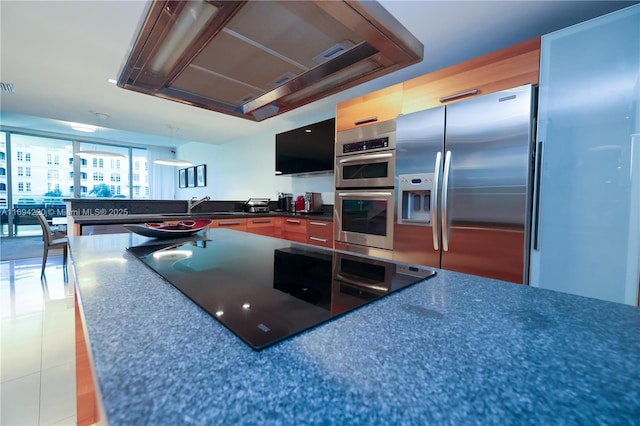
pixel 38 172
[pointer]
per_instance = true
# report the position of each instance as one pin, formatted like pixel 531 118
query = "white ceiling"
pixel 59 55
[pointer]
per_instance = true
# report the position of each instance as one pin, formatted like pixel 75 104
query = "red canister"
pixel 300 203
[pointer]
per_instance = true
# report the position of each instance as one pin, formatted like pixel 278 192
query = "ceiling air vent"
pixel 209 53
pixel 7 87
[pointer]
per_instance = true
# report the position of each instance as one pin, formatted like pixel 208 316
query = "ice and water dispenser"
pixel 415 201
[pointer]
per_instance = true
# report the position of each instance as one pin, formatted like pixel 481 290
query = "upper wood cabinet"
pixel 510 67
pixel 381 105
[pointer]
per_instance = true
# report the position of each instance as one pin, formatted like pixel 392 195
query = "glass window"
pixel 39 182
pixel 139 157
pixel 112 169
pixel 98 163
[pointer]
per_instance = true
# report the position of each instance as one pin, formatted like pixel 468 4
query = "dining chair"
pixel 52 240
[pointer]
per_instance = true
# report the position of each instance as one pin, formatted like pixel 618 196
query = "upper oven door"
pixel 365 156
pixel 365 217
pixel 367 170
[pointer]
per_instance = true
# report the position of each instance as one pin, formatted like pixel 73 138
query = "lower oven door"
pixel 365 217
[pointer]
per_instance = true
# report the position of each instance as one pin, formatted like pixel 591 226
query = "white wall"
pixel 244 169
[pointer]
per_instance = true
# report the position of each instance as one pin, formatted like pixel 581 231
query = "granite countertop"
pixel 454 349
pixel 120 218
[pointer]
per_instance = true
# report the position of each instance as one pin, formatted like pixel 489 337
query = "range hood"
pixel 258 59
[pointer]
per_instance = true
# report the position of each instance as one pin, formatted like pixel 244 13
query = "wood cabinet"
pixel 506 68
pixel 87 412
pixel 320 232
pixel 510 67
pixel 294 229
pixel 269 226
pixel 231 223
pixel 381 105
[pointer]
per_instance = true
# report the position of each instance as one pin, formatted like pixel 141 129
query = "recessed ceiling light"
pixel 307 130
pixel 112 81
pixel 83 127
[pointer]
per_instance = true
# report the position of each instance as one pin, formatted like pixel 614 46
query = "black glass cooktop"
pixel 265 289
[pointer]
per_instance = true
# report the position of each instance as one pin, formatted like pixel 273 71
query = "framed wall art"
pixel 182 178
pixel 201 175
pixel 191 177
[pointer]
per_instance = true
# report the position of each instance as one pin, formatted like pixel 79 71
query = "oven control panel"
pixel 378 143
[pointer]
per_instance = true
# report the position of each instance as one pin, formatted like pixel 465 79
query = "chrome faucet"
pixel 194 202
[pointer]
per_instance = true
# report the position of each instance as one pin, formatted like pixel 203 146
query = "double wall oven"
pixel 364 196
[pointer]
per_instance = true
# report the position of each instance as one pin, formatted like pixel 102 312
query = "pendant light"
pixel 173 161
pixel 88 154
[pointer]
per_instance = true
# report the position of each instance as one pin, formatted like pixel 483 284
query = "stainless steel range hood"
pixel 258 59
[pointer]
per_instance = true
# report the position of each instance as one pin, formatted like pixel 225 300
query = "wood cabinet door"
pixel 269 226
pixel 294 229
pixel 381 105
pixel 320 233
pixel 504 69
pixel 236 224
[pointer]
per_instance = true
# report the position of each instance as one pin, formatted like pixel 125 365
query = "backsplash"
pixel 323 184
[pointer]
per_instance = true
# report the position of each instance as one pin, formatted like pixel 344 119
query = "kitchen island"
pixel 452 349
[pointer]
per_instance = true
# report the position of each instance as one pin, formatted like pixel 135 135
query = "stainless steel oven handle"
pixel 361 284
pixel 359 158
pixel 434 200
pixel 364 194
pixel 445 206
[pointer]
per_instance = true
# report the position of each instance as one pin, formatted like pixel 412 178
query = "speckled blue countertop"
pixel 454 349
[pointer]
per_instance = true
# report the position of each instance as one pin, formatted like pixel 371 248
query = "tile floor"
pixel 37 351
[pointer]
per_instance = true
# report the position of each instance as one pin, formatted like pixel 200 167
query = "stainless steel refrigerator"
pixel 463 183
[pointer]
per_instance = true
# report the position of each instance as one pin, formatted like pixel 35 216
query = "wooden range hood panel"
pixel 258 59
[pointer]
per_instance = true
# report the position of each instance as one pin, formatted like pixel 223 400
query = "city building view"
pixel 37 173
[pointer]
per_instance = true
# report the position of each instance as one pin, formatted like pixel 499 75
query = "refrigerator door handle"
pixel 445 196
pixel 538 183
pixel 434 200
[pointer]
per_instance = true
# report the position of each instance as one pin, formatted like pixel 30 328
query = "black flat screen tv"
pixel 308 149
